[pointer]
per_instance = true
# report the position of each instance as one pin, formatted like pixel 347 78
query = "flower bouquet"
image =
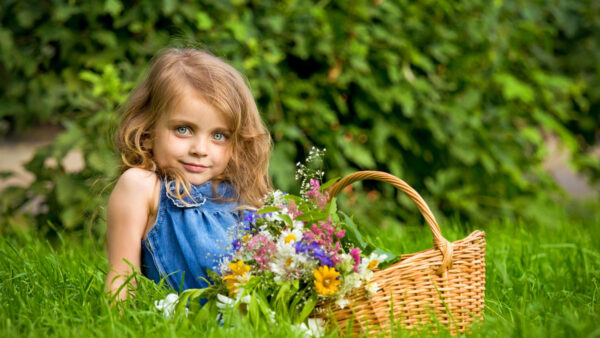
pixel 292 253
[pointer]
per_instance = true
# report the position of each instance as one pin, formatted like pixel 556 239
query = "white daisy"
pixel 372 288
pixel 314 327
pixel 298 225
pixel 346 265
pixel 167 305
pixel 274 216
pixel 342 302
pixel 349 282
pixel 225 303
pixel 365 269
pixel 289 237
pixel 277 198
pixel 287 264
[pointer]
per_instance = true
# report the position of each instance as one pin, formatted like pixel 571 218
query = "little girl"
pixel 194 149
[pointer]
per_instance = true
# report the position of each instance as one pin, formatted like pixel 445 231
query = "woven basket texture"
pixel 444 284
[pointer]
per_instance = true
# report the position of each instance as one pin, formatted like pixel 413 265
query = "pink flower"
pixel 315 229
pixel 314 191
pixel 265 249
pixel 335 257
pixel 321 200
pixel 293 209
pixel 355 253
pixel 318 198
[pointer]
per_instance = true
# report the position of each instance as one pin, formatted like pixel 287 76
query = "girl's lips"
pixel 194 167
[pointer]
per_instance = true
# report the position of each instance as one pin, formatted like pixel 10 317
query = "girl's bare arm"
pixel 128 212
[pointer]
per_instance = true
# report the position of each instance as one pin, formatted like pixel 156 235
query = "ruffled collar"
pixel 199 194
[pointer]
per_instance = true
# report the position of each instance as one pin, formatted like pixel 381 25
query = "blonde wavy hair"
pixel 225 89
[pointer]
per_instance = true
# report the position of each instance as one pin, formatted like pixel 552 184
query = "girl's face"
pixel 193 137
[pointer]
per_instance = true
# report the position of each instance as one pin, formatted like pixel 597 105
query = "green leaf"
pixel 512 88
pixel 106 38
pixel 89 76
pixel 253 310
pixel 206 313
pixel 312 216
pixel 267 210
pixel 70 217
pixel 298 298
pixel 308 308
pixel 169 6
pixel 203 21
pixel 182 301
pixel 113 7
pixel 283 289
pixel 358 154
pixel 295 198
pixel 332 210
pixel 287 219
pixel 352 234
pixel 391 258
pixel 329 183
pixel 282 297
pixel 238 29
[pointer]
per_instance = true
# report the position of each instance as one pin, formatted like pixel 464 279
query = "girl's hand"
pixel 129 210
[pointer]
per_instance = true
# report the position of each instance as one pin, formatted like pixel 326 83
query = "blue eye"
pixel 182 130
pixel 219 136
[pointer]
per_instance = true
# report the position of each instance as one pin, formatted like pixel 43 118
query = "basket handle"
pixel 438 240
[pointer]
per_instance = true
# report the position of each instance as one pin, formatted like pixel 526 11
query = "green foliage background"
pixel 453 97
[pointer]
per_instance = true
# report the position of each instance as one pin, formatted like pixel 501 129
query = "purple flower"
pixel 301 247
pixel 304 247
pixel 322 256
pixel 237 245
pixel 249 217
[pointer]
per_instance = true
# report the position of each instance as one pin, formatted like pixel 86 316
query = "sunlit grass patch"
pixel 542 280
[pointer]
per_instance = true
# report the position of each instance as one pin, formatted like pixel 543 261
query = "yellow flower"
pixel 246 238
pixel 289 238
pixel 326 281
pixel 231 283
pixel 372 264
pixel 239 268
pixel 241 274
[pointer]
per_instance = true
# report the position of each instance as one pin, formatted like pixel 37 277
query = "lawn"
pixel 543 279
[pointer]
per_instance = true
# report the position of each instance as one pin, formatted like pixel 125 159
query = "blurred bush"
pixel 455 98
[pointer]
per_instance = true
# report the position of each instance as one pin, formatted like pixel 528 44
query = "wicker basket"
pixel 443 285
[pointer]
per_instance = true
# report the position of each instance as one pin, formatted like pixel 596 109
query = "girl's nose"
pixel 199 146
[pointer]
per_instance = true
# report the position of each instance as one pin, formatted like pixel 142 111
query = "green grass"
pixel 542 280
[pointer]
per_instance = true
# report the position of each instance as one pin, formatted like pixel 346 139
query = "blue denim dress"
pixel 188 238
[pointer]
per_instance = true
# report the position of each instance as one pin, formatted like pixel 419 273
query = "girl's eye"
pixel 219 136
pixel 182 130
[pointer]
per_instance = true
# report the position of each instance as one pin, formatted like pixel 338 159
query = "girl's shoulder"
pixel 132 203
pixel 138 184
pixel 139 179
